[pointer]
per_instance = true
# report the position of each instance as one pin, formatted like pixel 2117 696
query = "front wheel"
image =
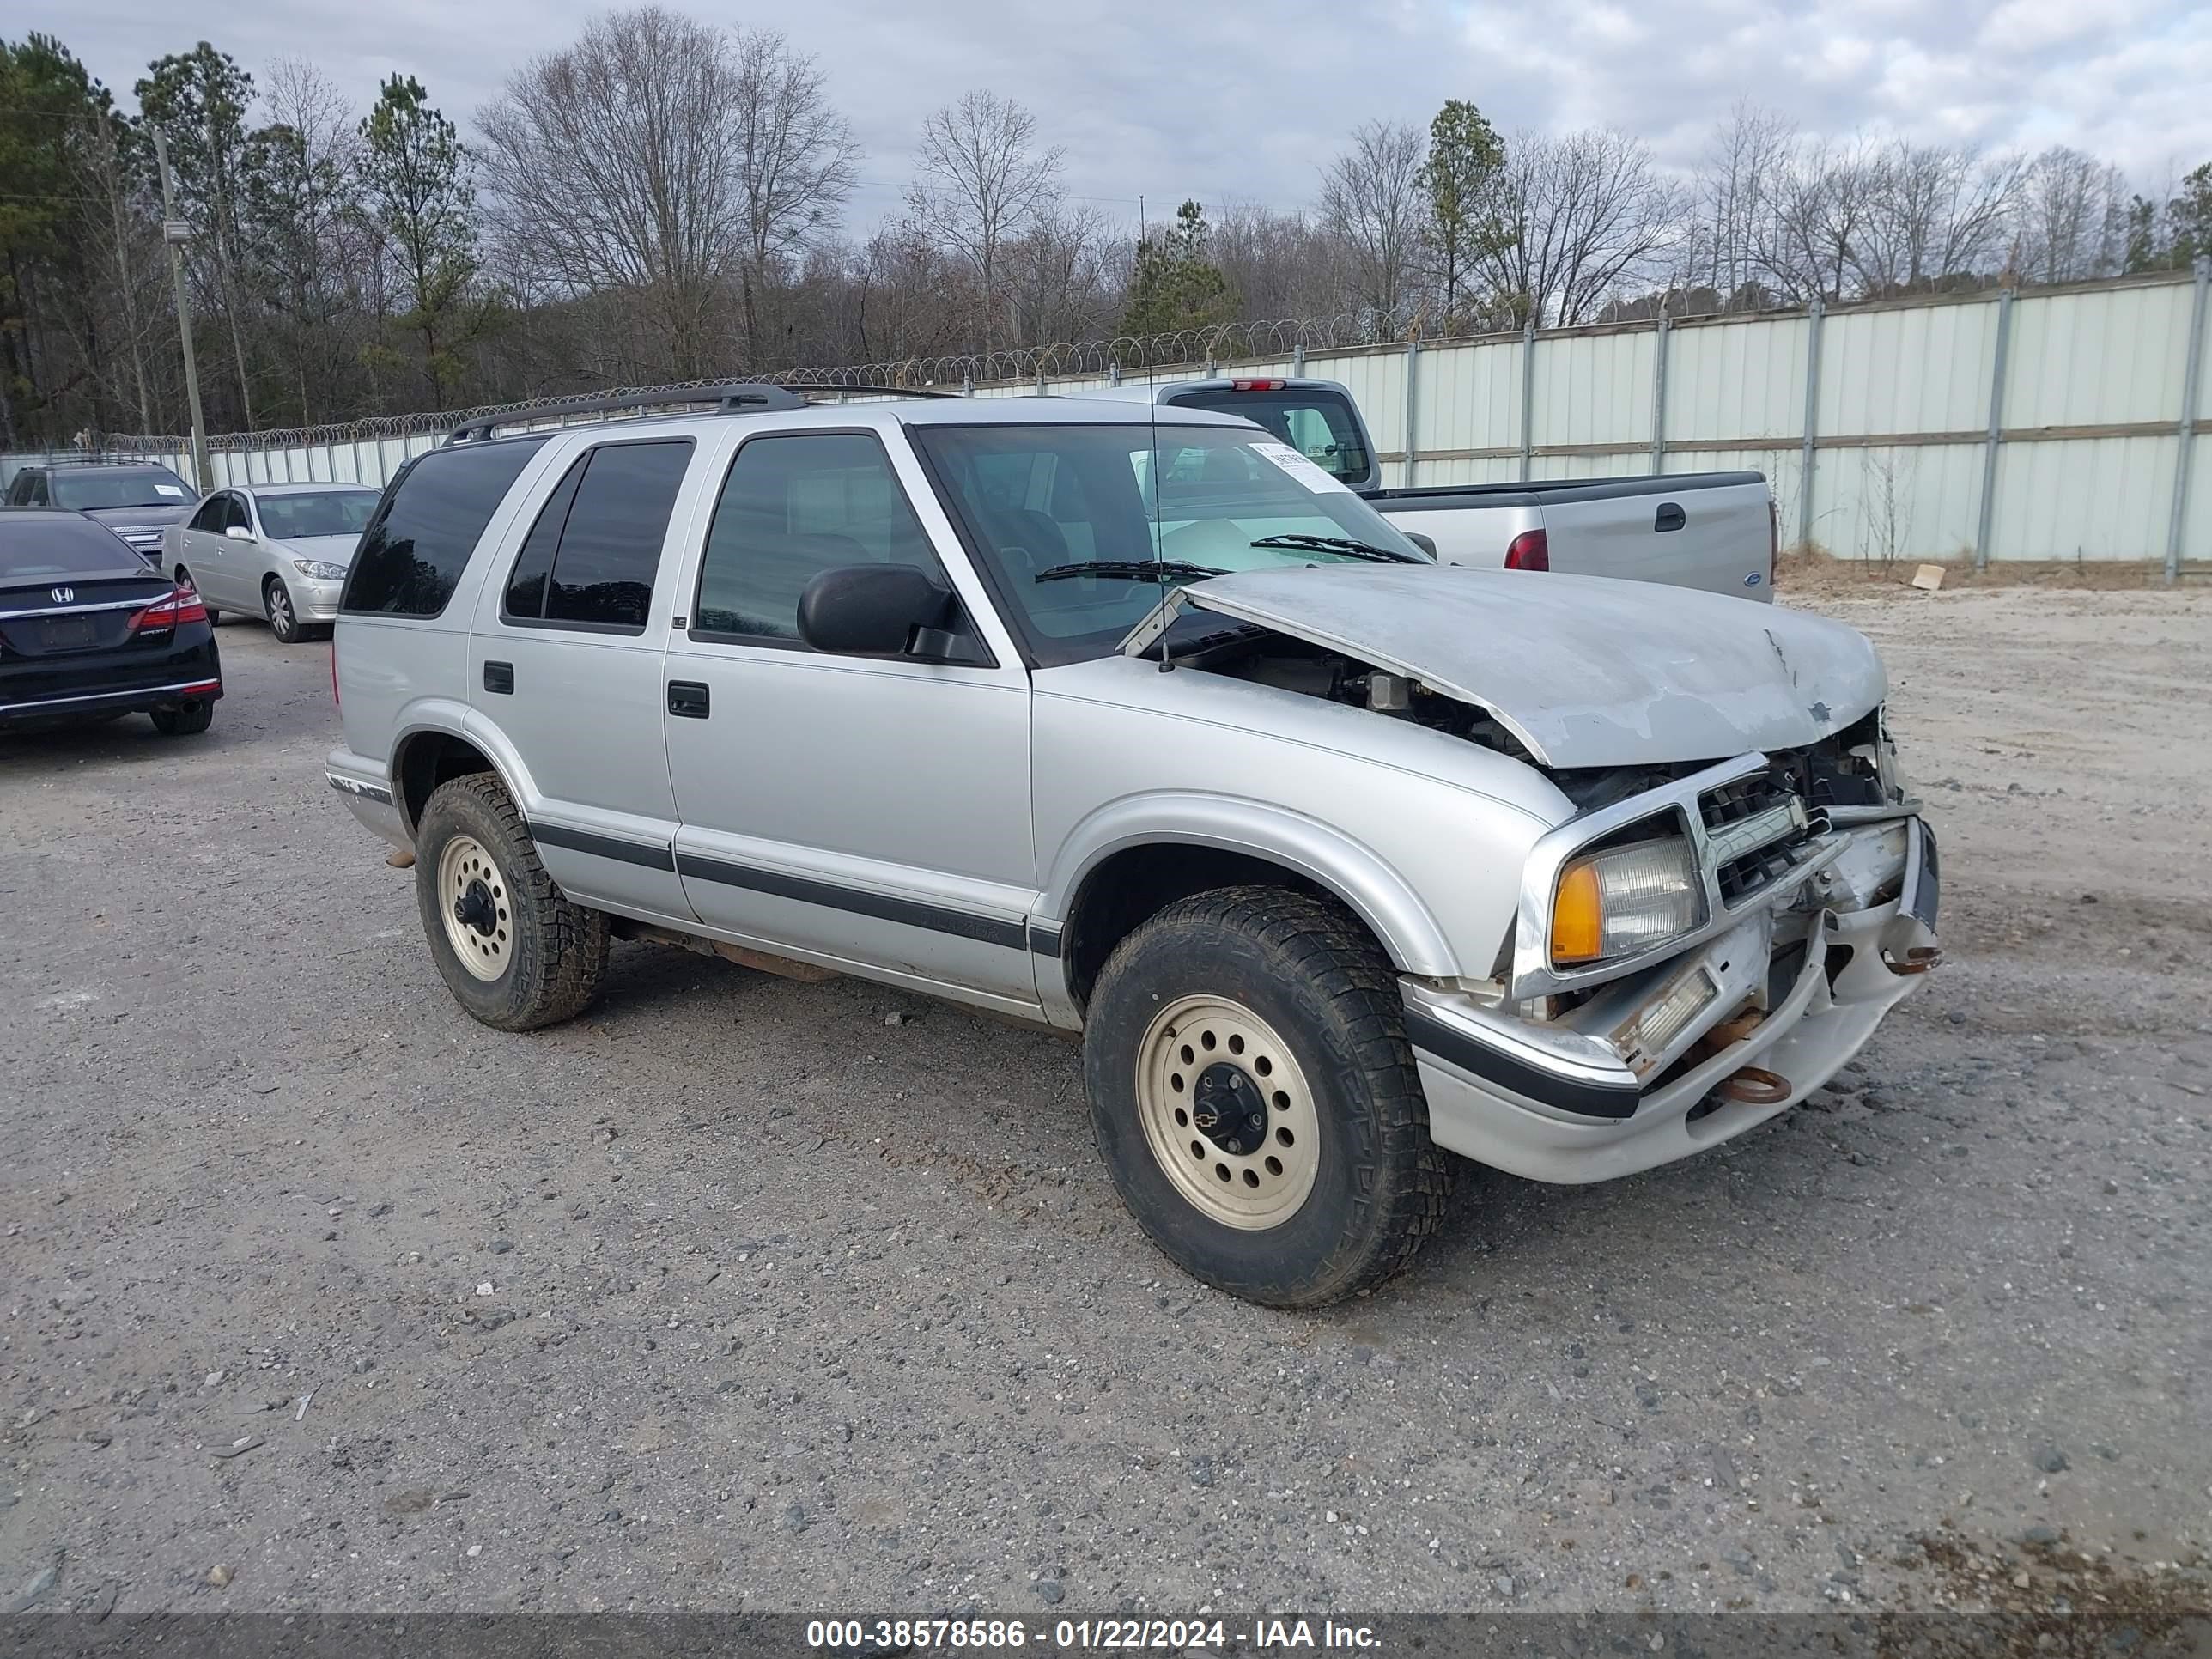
pixel 1255 1098
pixel 510 947
pixel 283 621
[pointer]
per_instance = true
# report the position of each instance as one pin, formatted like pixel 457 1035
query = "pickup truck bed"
pixel 1703 530
pixel 1713 531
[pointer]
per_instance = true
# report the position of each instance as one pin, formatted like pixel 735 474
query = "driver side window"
pixel 792 508
pixel 209 516
pixel 234 516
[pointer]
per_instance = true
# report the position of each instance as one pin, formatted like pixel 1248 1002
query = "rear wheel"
pixel 510 947
pixel 184 577
pixel 1255 1099
pixel 283 621
pixel 187 720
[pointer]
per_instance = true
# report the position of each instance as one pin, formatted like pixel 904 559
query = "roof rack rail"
pixel 734 398
pixel 877 386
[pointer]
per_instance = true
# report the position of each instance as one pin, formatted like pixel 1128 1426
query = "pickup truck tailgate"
pixel 1717 538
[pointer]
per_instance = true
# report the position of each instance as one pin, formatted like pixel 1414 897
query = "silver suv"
pixel 1135 723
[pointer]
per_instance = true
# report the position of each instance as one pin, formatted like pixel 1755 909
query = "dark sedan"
pixel 88 630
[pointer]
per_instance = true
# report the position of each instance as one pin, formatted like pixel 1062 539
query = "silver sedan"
pixel 274 550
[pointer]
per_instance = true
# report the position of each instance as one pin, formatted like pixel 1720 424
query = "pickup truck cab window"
pixel 1318 422
pixel 1036 503
pixel 590 559
pixel 791 507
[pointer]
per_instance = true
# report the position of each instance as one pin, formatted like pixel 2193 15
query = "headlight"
pixel 1625 900
pixel 319 570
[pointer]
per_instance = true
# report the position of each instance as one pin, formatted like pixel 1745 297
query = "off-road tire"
pixel 558 952
pixel 1308 970
pixel 187 719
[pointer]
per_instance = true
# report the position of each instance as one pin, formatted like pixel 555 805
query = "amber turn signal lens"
pixel 1578 916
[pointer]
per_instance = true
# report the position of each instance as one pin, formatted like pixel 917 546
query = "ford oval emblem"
pixel 1753 580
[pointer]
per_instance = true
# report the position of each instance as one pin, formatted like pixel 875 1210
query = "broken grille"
pixel 1732 811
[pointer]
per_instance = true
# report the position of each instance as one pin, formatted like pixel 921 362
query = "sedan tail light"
pixel 183 604
pixel 1528 550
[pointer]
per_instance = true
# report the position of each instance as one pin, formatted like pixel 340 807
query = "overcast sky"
pixel 1245 100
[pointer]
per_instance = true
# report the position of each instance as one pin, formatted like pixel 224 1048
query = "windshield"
pixel 1040 502
pixel 120 486
pixel 321 513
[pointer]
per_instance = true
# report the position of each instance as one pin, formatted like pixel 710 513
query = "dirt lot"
pixel 744 1293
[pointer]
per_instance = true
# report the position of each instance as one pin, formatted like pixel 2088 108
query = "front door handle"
pixel 499 677
pixel 688 698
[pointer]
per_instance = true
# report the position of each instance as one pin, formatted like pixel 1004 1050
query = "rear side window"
pixel 1320 425
pixel 415 548
pixel 591 558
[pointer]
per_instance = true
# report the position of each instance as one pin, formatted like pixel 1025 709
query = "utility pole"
pixel 176 233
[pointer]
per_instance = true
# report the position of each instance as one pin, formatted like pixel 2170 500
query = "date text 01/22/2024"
pixel 1084 1635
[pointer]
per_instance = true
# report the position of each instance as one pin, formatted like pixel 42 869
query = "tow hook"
pixel 1754 1086
pixel 1920 959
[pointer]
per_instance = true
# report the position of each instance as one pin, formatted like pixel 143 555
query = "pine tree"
pixel 415 177
pixel 1176 285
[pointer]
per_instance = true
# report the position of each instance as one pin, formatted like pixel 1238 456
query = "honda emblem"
pixel 62 595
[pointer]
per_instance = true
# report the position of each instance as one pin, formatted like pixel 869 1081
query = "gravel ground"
pixel 739 1292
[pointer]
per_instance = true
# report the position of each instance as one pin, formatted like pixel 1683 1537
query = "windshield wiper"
pixel 1343 544
pixel 1136 570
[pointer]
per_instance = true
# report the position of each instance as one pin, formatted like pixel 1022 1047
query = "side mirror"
pixel 239 532
pixel 1427 544
pixel 880 610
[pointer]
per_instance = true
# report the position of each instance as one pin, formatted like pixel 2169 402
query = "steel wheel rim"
pixel 280 608
pixel 1189 1052
pixel 468 882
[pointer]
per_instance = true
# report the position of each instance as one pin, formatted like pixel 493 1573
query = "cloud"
pixel 1246 99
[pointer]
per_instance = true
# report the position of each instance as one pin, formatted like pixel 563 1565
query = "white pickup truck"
pixel 1713 531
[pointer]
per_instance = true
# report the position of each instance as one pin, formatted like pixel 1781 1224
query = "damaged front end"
pixel 1802 904
pixel 1701 944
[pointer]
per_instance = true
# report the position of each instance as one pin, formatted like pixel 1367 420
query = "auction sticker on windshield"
pixel 1313 478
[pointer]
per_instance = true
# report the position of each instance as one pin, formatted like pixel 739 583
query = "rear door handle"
pixel 499 677
pixel 688 698
pixel 1671 517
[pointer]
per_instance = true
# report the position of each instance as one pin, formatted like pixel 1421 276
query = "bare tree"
pixel 981 181
pixel 1371 196
pixel 797 163
pixel 2070 218
pixel 1586 216
pixel 1822 201
pixel 616 166
pixel 1932 211
pixel 1735 190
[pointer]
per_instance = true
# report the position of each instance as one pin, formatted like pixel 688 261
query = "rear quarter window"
pixel 415 548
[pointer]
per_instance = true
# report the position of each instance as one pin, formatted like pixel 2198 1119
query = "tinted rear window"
pixel 54 546
pixel 415 548
pixel 610 547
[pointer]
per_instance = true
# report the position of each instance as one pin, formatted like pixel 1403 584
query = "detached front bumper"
pixel 1628 1081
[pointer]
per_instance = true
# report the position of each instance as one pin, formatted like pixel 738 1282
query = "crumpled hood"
pixel 330 550
pixel 1584 671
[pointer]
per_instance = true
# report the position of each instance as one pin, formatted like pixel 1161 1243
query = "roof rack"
pixel 880 388
pixel 733 397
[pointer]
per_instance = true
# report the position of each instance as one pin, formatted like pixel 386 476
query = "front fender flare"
pixel 1354 872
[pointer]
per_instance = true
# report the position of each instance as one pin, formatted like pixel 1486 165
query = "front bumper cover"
pixel 1572 1102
